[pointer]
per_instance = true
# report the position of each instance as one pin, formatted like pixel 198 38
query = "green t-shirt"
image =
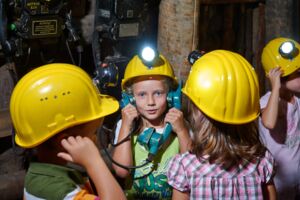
pixel 51 182
pixel 150 181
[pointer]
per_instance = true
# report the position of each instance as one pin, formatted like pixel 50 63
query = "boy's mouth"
pixel 153 111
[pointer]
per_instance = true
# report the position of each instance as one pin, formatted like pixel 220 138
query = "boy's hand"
pixel 274 76
pixel 80 150
pixel 175 117
pixel 129 113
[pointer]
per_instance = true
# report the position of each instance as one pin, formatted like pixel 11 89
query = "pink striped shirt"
pixel 202 180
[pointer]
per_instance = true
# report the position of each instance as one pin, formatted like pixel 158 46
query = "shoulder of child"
pixel 182 159
pixel 264 99
pixel 43 179
pixel 266 167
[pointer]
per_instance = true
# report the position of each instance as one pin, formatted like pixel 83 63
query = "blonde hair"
pixel 224 144
pixel 167 81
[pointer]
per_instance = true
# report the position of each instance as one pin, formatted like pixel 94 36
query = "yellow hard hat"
pixel 52 98
pixel 224 86
pixel 273 57
pixel 136 68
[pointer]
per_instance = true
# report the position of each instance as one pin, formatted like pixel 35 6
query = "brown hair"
pixel 224 144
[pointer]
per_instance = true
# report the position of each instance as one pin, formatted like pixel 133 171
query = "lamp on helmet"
pixel 149 56
pixel 194 55
pixel 288 49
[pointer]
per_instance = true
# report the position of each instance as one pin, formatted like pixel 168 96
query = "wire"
pixel 70 53
pixel 96 49
pixel 79 49
pixel 118 143
pixel 127 167
pixel 27 56
pixel 134 129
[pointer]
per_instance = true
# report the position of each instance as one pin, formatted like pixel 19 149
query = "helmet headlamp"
pixel 288 49
pixel 194 55
pixel 148 56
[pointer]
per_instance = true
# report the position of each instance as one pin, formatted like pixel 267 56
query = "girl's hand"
pixel 274 76
pixel 129 113
pixel 80 150
pixel 175 117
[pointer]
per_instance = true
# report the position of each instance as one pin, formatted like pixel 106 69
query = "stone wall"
pixel 279 18
pixel 178 32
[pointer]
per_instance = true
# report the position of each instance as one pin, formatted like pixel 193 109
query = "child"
pixel 56 110
pixel 226 160
pixel 149 87
pixel 280 114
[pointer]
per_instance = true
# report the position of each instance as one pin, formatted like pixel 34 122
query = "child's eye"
pixel 141 94
pixel 158 93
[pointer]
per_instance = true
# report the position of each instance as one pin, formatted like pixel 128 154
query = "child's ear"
pixel 59 137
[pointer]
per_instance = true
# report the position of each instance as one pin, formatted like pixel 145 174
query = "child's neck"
pixel 157 123
pixel 45 155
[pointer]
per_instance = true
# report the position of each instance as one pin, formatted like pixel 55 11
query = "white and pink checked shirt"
pixel 202 180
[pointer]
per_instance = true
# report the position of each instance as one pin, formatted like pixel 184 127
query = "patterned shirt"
pixel 202 180
pixel 48 181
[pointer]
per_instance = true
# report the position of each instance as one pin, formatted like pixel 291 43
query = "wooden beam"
pixel 229 34
pixel 261 42
pixel 248 34
pixel 230 1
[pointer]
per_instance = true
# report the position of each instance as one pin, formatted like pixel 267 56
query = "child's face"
pixel 293 82
pixel 151 97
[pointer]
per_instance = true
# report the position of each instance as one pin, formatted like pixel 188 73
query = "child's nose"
pixel 150 100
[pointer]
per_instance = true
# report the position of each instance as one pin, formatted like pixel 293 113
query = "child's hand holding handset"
pixel 123 152
pixel 129 114
pixel 176 119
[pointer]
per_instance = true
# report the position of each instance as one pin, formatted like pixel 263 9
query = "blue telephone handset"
pixel 126 99
pixel 150 139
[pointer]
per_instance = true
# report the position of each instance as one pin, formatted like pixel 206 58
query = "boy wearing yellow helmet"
pixel 56 110
pixel 148 87
pixel 280 113
pixel 226 160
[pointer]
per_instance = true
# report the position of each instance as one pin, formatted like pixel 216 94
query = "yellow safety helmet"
pixel 52 98
pixel 272 56
pixel 136 68
pixel 224 86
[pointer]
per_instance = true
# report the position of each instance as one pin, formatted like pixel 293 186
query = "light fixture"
pixel 149 56
pixel 288 49
pixel 194 55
